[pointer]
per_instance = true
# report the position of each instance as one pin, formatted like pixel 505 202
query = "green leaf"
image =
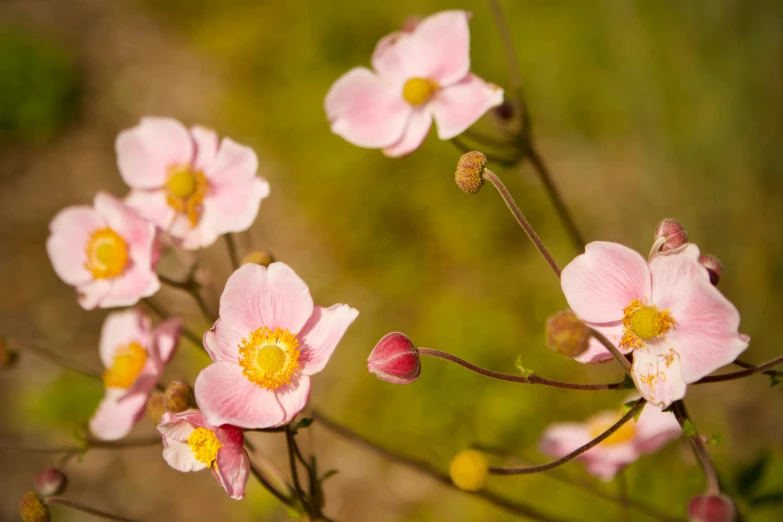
pixel 750 476
pixel 767 499
pixel 715 439
pixel 526 372
pixel 329 474
pixel 775 380
pixel 301 423
pixel 688 428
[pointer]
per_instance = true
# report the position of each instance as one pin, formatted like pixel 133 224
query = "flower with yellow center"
pixel 268 357
pixel 417 91
pixel 185 191
pixel 204 445
pixel 107 254
pixel 128 362
pixel 602 422
pixel 643 323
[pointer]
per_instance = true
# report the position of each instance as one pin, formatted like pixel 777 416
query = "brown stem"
pixel 59 360
pixel 76 506
pixel 530 379
pixel 697 445
pixel 751 370
pixel 232 250
pixel 163 314
pixel 89 444
pixel 613 350
pixel 191 287
pixel 259 476
pixel 512 62
pixel 291 443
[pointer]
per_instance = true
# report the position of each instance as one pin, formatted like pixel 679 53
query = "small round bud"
pixel 50 481
pixel 469 470
pixel 470 172
pixel 8 357
pixel 395 359
pixel 31 509
pixel 154 408
pixel 566 334
pixel 504 111
pixel 711 508
pixel 177 397
pixel 671 234
pixel 713 266
pixel 259 257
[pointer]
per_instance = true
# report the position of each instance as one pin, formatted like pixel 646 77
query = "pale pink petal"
pixel 233 206
pixel 179 426
pixel 206 145
pixel 222 343
pixel 145 152
pixel 256 296
pixel 145 381
pixel 321 333
pixel 121 329
pixel 225 396
pixel 189 237
pixel 233 162
pixel 387 61
pixel 562 438
pixel 293 397
pixel 597 352
pixel 92 294
pixel 417 129
pixel 137 232
pixel 365 110
pixel 655 428
pixel 231 471
pixel 166 338
pixel 600 283
pixel 135 283
pixel 439 48
pixel 179 456
pixel 70 230
pixel 152 206
pixel 657 374
pixel 605 470
pixel 459 106
pixel 117 414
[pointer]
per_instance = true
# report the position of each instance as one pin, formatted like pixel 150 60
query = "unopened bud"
pixel 395 359
pixel 671 234
pixel 469 470
pixel 50 481
pixel 259 257
pixel 154 408
pixel 566 334
pixel 8 357
pixel 177 397
pixel 470 172
pixel 31 509
pixel 713 266
pixel 711 508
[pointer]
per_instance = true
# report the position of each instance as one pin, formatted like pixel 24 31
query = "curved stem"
pixel 527 470
pixel 76 506
pixel 232 250
pixel 531 379
pixel 259 476
pixel 54 358
pixel 697 444
pixel 619 357
pixel 752 370
pixel 512 62
pixel 192 288
pixel 163 314
pixel 291 443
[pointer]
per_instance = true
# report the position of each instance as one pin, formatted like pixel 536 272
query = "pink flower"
pixel 418 75
pixel 106 251
pixel 186 184
pixel 653 429
pixel 134 355
pixel 269 340
pixel 190 443
pixel 678 325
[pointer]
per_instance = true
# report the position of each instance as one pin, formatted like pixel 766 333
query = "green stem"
pixel 232 250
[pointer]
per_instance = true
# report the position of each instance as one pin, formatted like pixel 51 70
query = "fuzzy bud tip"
pixel 177 397
pixel 470 172
pixel 31 509
pixel 711 508
pixel 469 470
pixel 566 334
pixel 671 234
pixel 50 481
pixel 259 257
pixel 395 359
pixel 714 267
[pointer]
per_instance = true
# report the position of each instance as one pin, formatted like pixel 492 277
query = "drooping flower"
pixel 678 325
pixel 653 430
pixel 268 341
pixel 134 355
pixel 187 183
pixel 190 443
pixel 418 76
pixel 106 251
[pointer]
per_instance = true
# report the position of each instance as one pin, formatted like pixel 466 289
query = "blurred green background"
pixel 642 110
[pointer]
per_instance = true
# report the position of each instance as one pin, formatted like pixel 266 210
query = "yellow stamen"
pixel 186 190
pixel 603 421
pixel 418 90
pixel 269 358
pixel 107 254
pixel 204 445
pixel 127 365
pixel 643 323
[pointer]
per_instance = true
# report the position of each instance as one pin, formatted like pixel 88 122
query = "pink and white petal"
pixel 152 206
pixel 166 338
pixel 604 470
pixel 439 48
pixel 562 438
pixel 135 283
pixel 293 397
pixel 231 471
pixel 256 296
pixel 417 129
pixel 387 62
pixel 205 141
pixel 457 107
pixel 145 152
pixel 121 329
pixel 176 430
pixel 232 163
pixel 189 237
pixel 600 283
pixel 233 207
pixel 365 110
pixel 655 428
pixel 179 456
pixel 222 343
pixel 657 374
pixel 191 416
pixel 597 352
pixel 116 415
pixel 225 396
pixel 321 333
pixel 137 232
pixel 93 293
pixel 70 230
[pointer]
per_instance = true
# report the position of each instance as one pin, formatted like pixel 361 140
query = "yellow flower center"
pixel 269 357
pixel 204 445
pixel 602 422
pixel 418 90
pixel 127 365
pixel 107 254
pixel 642 323
pixel 186 190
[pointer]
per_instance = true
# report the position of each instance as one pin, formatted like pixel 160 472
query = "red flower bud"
pixel 671 234
pixel 395 359
pixel 711 508
pixel 713 266
pixel 50 481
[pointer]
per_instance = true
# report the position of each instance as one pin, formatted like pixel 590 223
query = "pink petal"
pixel 225 396
pixel 233 162
pixel 388 63
pixel 417 129
pixel 657 374
pixel 233 206
pixel 137 232
pixel 562 438
pixel 190 237
pixel 145 152
pixel 255 296
pixel 166 338
pixel 597 352
pixel 459 106
pixel 605 470
pixel 121 329
pixel 114 418
pixel 206 145
pixel 365 110
pixel 222 343
pixel 293 398
pixel 70 230
pixel 655 428
pixel 179 456
pixel 179 426
pixel 152 206
pixel 321 333
pixel 600 283
pixel 439 48
pixel 231 471
pixel 93 293
pixel 135 283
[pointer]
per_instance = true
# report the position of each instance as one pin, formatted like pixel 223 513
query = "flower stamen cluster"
pixel 268 357
pixel 642 323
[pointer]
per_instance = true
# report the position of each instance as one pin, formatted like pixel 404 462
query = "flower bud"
pixel 469 470
pixel 566 334
pixel 154 408
pixel 395 359
pixel 470 172
pixel 259 257
pixel 671 234
pixel 50 481
pixel 177 397
pixel 31 509
pixel 8 357
pixel 713 266
pixel 711 508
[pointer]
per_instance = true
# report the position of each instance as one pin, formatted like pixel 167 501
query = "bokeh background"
pixel 643 110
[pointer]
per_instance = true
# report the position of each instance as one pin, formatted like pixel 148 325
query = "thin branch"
pixel 191 287
pixel 291 443
pixel 57 359
pixel 601 338
pixel 232 250
pixel 259 476
pixel 88 444
pixel 697 445
pixel 161 312
pixel 751 370
pixel 512 62
pixel 76 506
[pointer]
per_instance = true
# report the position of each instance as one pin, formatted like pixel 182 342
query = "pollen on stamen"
pixel 204 445
pixel 269 358
pixel 642 323
pixel 186 190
